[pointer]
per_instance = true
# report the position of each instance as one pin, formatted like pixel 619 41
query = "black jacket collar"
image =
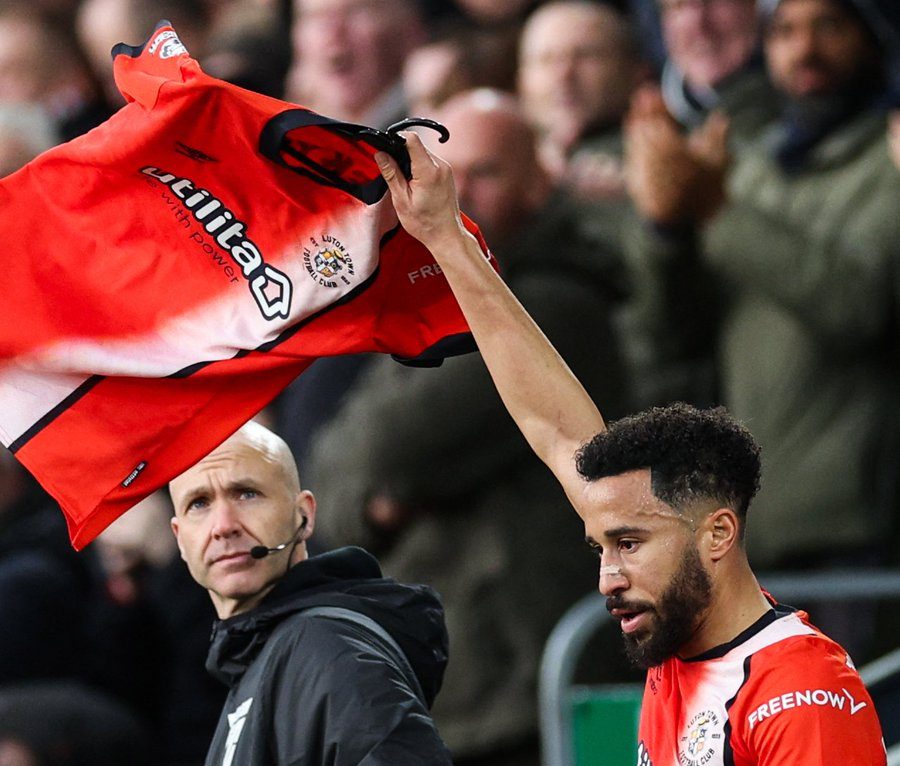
pixel 350 578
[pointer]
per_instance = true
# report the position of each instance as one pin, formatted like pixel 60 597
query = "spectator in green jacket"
pixel 782 259
pixel 714 63
pixel 714 68
pixel 894 137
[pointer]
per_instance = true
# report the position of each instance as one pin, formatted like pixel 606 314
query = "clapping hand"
pixel 672 178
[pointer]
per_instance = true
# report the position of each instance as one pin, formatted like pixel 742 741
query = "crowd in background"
pixel 697 200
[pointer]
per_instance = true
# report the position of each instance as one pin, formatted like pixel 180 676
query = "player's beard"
pixel 676 614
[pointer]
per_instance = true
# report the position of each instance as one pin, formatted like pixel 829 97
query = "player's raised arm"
pixel 549 405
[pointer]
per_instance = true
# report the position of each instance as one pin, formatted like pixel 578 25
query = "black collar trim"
pixel 775 613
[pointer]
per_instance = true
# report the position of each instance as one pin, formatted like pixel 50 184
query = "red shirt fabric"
pixel 168 273
pixel 780 694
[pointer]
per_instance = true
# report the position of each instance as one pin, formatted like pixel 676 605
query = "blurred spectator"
pixel 459 57
pixel 218 9
pixel 152 630
pixel 14 753
pixel 495 12
pixel 714 63
pixel 101 24
pixel 67 725
pixel 135 541
pixel 193 698
pixel 493 28
pixel 894 137
pixel 126 629
pixel 349 54
pixel 45 587
pixel 645 16
pixel 348 64
pixel 796 253
pixel 434 72
pixel 143 639
pixel 25 132
pixel 426 467
pixel 578 66
pixel 41 64
pixel 59 10
pixel 250 46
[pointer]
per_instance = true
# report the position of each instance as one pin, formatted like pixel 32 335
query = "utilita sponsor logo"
pixel 810 697
pixel 270 288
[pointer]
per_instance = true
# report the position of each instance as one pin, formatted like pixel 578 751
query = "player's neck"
pixel 737 603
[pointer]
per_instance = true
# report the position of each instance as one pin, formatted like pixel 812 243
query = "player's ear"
pixel 723 528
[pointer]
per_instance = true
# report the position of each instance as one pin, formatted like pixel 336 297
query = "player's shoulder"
pixel 792 647
pixel 797 666
pixel 803 702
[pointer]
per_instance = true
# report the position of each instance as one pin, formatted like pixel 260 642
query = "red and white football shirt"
pixel 167 274
pixel 780 694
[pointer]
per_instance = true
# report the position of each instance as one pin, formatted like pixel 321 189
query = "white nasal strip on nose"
pixel 612 570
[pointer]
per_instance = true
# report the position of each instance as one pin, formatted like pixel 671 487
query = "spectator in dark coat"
pixel 45 587
pixel 55 724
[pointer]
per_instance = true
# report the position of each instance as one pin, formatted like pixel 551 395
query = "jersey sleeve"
pixel 418 310
pixel 364 710
pixel 141 71
pixel 804 704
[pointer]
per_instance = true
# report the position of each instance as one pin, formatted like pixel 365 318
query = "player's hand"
pixel 426 204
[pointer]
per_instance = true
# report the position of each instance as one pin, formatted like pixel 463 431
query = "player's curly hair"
pixel 692 454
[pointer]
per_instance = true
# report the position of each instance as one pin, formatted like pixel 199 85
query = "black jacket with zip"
pixel 312 689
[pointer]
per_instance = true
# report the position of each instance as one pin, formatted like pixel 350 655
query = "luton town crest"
pixel 328 262
pixel 699 744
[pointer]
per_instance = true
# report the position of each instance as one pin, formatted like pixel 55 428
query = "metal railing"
pixel 880 669
pixel 893 756
pixel 571 634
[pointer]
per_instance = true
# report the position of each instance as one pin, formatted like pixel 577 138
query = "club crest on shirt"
pixel 327 261
pixel 698 745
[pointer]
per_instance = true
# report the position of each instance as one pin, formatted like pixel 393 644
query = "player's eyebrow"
pixel 614 533
pixel 625 530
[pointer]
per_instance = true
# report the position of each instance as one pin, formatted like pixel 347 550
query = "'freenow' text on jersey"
pixel 230 234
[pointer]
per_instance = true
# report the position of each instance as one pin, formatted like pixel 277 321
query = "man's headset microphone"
pixel 261 551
